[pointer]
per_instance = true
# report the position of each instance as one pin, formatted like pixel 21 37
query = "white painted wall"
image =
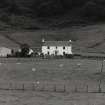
pixel 30 51
pixel 4 51
pixel 59 50
pixel 69 50
pixel 44 50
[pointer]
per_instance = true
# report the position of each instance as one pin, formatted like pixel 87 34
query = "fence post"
pixel 99 89
pixel 43 87
pixel 64 88
pixel 99 86
pixel 10 86
pixel 15 87
pixel 87 88
pixel 75 90
pixel 23 87
pixel 55 88
pixel 33 87
pixel 102 64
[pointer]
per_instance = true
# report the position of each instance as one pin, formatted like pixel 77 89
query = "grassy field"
pixel 58 71
pixel 50 70
pixel 37 98
pixel 66 71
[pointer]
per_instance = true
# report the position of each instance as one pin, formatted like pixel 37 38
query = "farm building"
pixel 56 47
pixel 4 51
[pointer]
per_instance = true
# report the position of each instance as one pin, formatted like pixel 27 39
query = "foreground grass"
pixel 71 71
pixel 37 98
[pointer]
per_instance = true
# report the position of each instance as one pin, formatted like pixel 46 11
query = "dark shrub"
pixel 69 55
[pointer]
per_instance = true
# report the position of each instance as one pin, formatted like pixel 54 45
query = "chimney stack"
pixel 70 41
pixel 43 40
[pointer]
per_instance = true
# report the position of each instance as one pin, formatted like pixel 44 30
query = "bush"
pixel 68 55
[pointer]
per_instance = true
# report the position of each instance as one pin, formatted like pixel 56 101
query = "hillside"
pixel 49 14
pixel 89 38
pixel 5 42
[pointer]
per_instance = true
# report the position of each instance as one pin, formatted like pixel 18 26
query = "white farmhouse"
pixel 56 47
pixel 4 51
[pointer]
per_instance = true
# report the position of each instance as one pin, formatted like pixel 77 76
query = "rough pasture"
pixel 37 98
pixel 68 71
pixel 51 70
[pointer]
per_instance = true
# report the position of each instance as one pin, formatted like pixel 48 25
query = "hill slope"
pixel 41 14
pixel 89 38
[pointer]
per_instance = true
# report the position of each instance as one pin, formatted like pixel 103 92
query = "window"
pixel 64 47
pixel 48 47
pixel 56 52
pixel 63 53
pixel 48 53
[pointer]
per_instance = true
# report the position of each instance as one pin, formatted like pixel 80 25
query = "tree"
pixel 24 50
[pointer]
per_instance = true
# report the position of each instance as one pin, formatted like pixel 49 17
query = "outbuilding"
pixel 4 51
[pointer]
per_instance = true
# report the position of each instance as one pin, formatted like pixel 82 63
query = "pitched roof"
pixel 56 43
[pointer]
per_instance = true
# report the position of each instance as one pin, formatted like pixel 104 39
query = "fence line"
pixel 51 88
pixel 15 60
